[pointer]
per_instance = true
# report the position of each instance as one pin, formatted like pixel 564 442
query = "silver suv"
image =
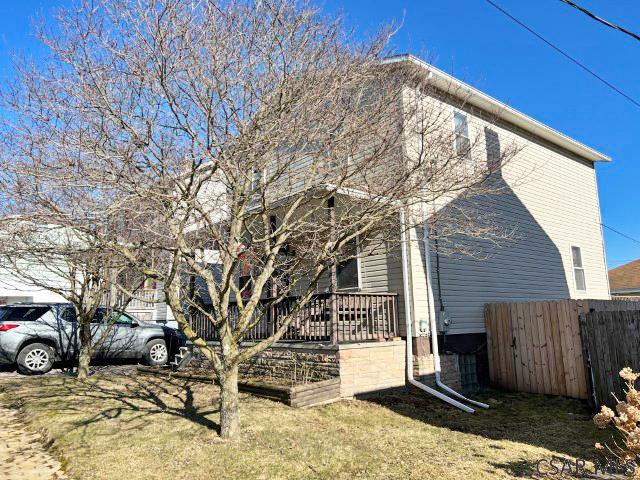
pixel 35 335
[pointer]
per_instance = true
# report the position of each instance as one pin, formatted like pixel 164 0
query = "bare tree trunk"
pixel 229 406
pixel 84 355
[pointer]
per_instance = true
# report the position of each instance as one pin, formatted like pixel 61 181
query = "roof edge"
pixel 458 88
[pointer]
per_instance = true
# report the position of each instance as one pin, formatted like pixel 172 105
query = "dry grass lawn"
pixel 141 427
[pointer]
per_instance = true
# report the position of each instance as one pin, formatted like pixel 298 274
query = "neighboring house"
pixel 624 280
pixel 558 254
pixel 14 290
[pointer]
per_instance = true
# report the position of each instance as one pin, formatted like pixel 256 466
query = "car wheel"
pixel 156 353
pixel 35 359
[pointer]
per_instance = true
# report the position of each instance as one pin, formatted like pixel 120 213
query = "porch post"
pixel 333 281
pixel 272 316
pixel 273 287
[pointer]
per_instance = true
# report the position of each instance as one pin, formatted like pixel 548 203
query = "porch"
pixel 335 318
pixel 144 304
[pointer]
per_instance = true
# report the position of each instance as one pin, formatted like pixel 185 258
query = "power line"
pixel 602 20
pixel 621 234
pixel 564 54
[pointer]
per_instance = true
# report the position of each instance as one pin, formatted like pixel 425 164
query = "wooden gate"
pixel 537 346
pixel 611 342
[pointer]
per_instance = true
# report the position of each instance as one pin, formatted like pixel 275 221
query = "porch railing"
pixel 335 318
pixel 144 300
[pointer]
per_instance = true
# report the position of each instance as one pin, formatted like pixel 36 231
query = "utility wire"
pixel 621 234
pixel 564 54
pixel 602 20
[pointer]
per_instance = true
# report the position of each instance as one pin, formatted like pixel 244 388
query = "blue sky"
pixel 476 43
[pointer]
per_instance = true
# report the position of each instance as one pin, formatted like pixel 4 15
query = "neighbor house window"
pixel 461 132
pixel 348 270
pixel 578 269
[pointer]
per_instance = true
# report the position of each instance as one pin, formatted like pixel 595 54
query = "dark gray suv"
pixel 35 335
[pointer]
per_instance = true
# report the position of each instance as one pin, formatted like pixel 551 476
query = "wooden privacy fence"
pixel 537 346
pixel 611 342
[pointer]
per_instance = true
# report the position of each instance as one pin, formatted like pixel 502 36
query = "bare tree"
pixel 243 144
pixel 58 259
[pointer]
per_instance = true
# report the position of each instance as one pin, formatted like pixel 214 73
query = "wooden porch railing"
pixel 145 299
pixel 335 318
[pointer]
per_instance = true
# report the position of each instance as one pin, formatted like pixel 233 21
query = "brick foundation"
pixel 299 365
pixel 362 367
pixel 291 362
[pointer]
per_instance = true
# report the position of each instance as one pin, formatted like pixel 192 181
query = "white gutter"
pixel 407 316
pixel 433 328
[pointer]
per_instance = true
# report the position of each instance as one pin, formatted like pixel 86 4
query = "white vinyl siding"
pixel 551 199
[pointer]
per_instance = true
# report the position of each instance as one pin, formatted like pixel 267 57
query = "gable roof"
pixel 625 277
pixel 451 85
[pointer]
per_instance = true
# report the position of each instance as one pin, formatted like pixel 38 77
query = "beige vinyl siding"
pixel 551 200
pixel 380 272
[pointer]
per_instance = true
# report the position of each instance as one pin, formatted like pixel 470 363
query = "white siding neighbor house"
pixel 14 289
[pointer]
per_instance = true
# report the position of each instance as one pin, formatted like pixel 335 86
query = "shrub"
pixel 626 418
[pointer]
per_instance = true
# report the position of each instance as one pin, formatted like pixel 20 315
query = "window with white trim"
pixel 462 143
pixel 578 269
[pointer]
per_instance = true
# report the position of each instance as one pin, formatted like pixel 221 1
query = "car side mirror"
pixel 134 323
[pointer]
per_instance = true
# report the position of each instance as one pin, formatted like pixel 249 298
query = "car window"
pixel 99 316
pixel 121 318
pixel 69 315
pixel 113 317
pixel 22 314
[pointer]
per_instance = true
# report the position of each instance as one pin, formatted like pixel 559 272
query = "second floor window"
pixel 461 132
pixel 578 269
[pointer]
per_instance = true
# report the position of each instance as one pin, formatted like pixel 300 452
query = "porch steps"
pixel 182 358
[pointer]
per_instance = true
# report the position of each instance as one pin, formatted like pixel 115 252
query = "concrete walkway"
pixel 22 454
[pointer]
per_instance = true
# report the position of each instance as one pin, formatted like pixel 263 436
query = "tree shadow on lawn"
pixel 557 424
pixel 133 401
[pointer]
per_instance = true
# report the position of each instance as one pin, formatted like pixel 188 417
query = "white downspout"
pixel 433 327
pixel 407 316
